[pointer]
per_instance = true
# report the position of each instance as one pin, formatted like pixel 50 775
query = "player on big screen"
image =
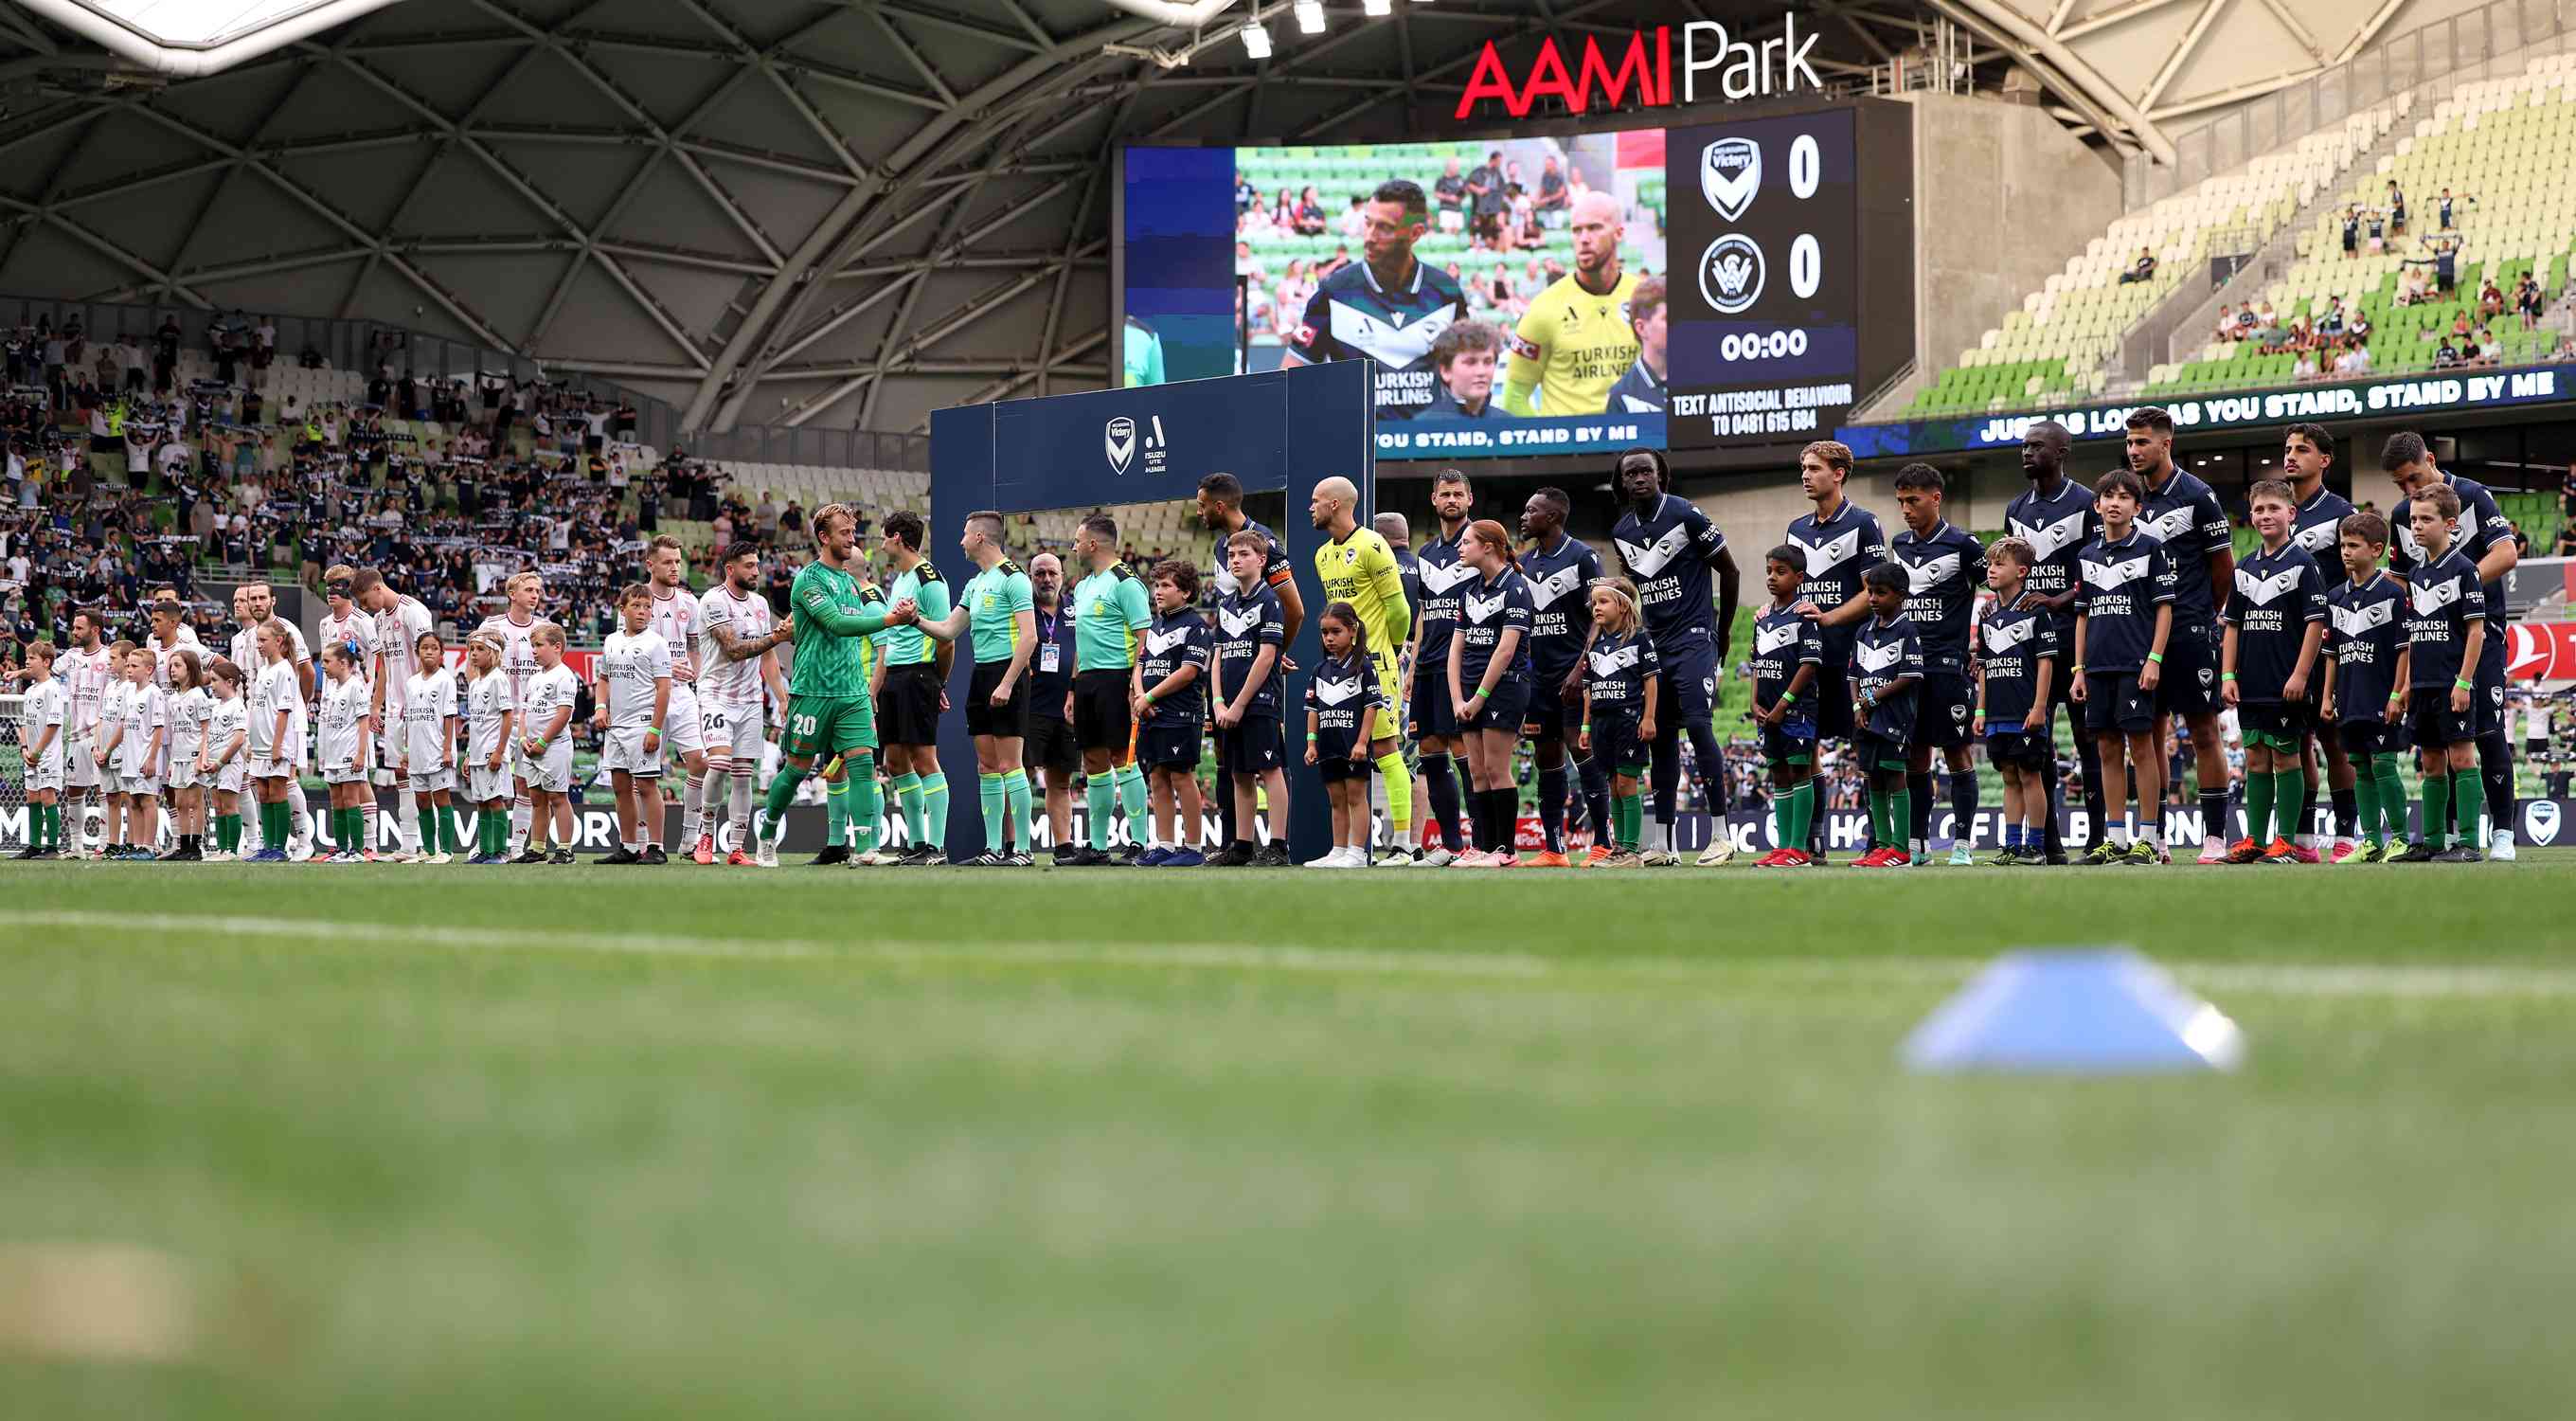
pixel 2306 452
pixel 1558 568
pixel 999 609
pixel 2275 620
pixel 740 653
pixel 1642 390
pixel 1944 567
pixel 2480 533
pixel 1388 307
pixel 1356 566
pixel 1576 341
pixel 2055 516
pixel 2184 515
pixel 1489 687
pixel 1670 548
pixel 1840 541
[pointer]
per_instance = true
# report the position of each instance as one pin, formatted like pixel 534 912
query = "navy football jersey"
pixel 1943 572
pixel 2118 588
pixel 1560 605
pixel 1351 317
pixel 1171 643
pixel 1838 550
pixel 2480 524
pixel 1487 608
pixel 2057 528
pixel 1666 554
pixel 2442 598
pixel 2366 632
pixel 1275 567
pixel 2186 517
pixel 1440 575
pixel 2011 647
pixel 2278 596
pixel 1051 665
pixel 1340 692
pixel 1245 623
pixel 2319 527
pixel 1882 654
pixel 1617 670
pixel 1783 641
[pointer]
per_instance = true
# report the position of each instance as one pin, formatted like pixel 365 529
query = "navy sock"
pixel 1596 796
pixel 1665 760
pixel 2097 810
pixel 2495 769
pixel 1918 827
pixel 1444 801
pixel 1551 806
pixel 1963 804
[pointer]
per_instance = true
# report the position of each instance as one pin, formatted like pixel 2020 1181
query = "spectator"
pixel 2566 541
pixel 2143 269
pixel 1552 194
pixel 2227 322
pixel 1485 189
pixel 1449 197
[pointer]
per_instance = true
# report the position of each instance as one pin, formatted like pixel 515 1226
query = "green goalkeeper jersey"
pixel 835 616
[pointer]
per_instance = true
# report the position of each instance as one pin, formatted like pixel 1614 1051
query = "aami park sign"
pixel 1648 72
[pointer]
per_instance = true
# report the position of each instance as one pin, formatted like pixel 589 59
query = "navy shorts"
pixel 1834 695
pixel 1168 747
pixel 2113 702
pixel 1875 753
pixel 2278 722
pixel 1427 711
pixel 1548 716
pixel 1251 747
pixel 2189 685
pixel 1688 681
pixel 1502 710
pixel 1615 743
pixel 1050 747
pixel 2024 749
pixel 1333 759
pixel 2373 737
pixel 1945 710
pixel 2431 724
pixel 1791 742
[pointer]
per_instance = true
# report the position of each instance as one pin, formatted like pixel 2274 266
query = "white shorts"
pixel 344 774
pixel 183 772
pixel 682 731
pixel 736 730
pixel 431 781
pixel 623 749
pixel 483 786
pixel 139 784
pixel 230 777
pixel 393 741
pixel 47 773
pixel 263 767
pixel 81 769
pixel 552 771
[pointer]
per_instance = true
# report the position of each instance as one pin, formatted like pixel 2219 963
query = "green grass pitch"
pixel 597 1142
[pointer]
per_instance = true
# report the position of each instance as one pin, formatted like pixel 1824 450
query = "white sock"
pixel 2119 834
pixel 741 806
pixel 303 812
pixel 692 810
pixel 1666 825
pixel 407 820
pixel 367 811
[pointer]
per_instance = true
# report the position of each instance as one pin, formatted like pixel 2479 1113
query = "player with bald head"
pixel 1575 341
pixel 1356 566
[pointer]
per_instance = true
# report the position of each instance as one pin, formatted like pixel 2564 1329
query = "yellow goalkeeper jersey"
pixel 1360 569
pixel 1573 346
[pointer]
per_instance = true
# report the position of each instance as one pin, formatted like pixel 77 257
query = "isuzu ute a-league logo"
pixel 1730 173
pixel 1120 438
pixel 1730 274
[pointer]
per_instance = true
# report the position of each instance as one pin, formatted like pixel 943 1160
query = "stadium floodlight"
pixel 1310 16
pixel 1377 9
pixel 1256 40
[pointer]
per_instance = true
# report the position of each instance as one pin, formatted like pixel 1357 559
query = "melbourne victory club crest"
pixel 1122 443
pixel 1730 173
pixel 2540 817
pixel 1730 274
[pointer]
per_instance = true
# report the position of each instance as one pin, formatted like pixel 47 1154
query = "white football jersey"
pixel 549 691
pixel 397 641
pixel 735 685
pixel 145 709
pixel 161 655
pixel 344 704
pixel 428 701
pixel 356 629
pixel 189 711
pixel 518 651
pixel 271 691
pixel 629 664
pixel 224 720
pixel 678 617
pixel 86 676
pixel 487 700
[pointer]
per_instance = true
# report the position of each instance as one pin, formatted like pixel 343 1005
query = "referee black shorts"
pixel 1102 716
pixel 1009 720
pixel 908 713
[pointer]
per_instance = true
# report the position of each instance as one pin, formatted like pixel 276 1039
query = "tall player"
pixel 685 733
pixel 400 620
pixel 1560 571
pixel 1356 566
pixel 347 624
pixel 828 710
pixel 1399 539
pixel 2185 515
pixel 2481 534
pixel 1576 341
pixel 515 629
pixel 915 678
pixel 89 668
pixel 1001 612
pixel 740 651
pixel 1221 510
pixel 1944 567
pixel 1111 610
pixel 1388 307
pixel 1438 577
pixel 2306 452
pixel 1841 541
pixel 2055 515
pixel 254 606
pixel 1670 548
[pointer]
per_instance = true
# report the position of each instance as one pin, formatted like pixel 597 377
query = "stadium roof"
pixel 847 212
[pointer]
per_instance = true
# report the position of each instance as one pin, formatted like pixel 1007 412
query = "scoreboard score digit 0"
pixel 1764 318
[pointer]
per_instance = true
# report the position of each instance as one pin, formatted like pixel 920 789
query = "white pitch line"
pixel 2297 979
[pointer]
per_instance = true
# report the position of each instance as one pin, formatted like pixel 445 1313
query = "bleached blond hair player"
pixel 677 616
pixel 400 620
pixel 515 631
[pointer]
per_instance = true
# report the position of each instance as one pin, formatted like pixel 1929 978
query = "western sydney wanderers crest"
pixel 1730 174
pixel 1121 438
pixel 1730 274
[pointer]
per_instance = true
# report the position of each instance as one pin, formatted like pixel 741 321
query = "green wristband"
pixel 2157 657
pixel 2464 683
pixel 2226 675
pixel 1310 737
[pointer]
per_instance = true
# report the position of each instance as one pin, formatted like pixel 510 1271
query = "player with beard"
pixel 1670 548
pixel 1944 567
pixel 400 620
pixel 2306 451
pixel 2183 514
pixel 1438 574
pixel 740 651
pixel 2055 515
pixel 1389 307
pixel 89 670
pixel 1841 542
pixel 1560 570
pixel 2481 534
pixel 1220 510
pixel 1575 341
pixel 677 617
pixel 254 606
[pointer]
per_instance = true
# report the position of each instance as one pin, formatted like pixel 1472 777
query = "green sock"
pixel 866 803
pixel 782 793
pixel 907 798
pixel 285 826
pixel 1802 814
pixel 232 833
pixel 1015 788
pixel 2259 789
pixel 1099 794
pixel 1784 812
pixel 995 801
pixel 1131 798
pixel 2437 809
pixel 1900 819
pixel 1631 814
pixel 836 812
pixel 2289 799
pixel 2391 777
pixel 2365 800
pixel 48 828
pixel 2468 805
pixel 934 809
